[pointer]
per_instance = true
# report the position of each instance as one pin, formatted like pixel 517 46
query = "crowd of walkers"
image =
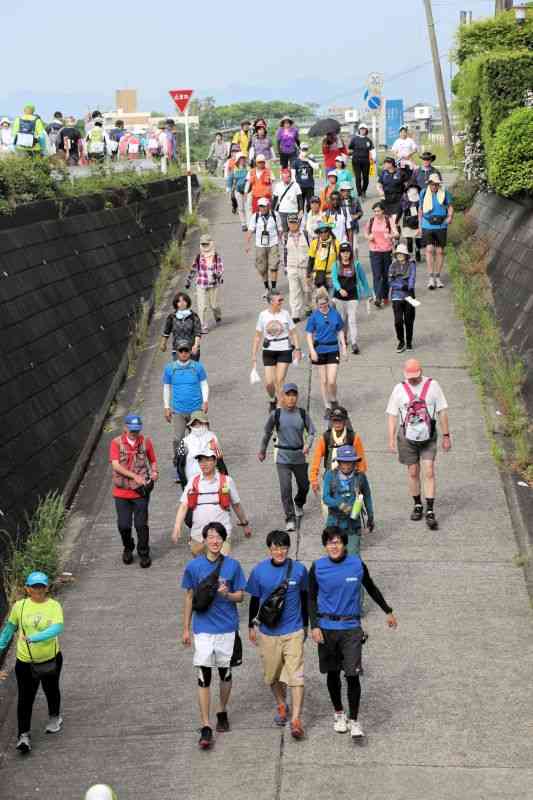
pixel 309 234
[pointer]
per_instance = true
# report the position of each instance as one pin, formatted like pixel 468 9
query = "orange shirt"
pixel 325 194
pixel 261 186
pixel 320 452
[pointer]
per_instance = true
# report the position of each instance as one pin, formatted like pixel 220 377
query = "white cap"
pixel 402 248
pixel 263 202
pixel 260 157
pixel 207 453
pixel 434 178
pixel 304 146
pixel 3 120
pixel 362 125
pixel 239 155
pixel 100 792
pixel 341 158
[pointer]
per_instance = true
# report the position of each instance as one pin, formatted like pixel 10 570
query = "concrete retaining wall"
pixel 71 281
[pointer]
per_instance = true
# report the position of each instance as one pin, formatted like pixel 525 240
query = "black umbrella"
pixel 324 126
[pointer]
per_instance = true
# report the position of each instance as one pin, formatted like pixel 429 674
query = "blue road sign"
pixel 373 101
pixel 394 120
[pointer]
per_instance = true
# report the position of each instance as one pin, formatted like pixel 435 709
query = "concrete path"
pixel 447 702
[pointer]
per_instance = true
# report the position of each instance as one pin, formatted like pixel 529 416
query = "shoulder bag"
pixel 42 669
pixel 207 589
pixel 271 610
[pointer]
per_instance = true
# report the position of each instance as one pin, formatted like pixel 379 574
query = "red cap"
pixel 412 368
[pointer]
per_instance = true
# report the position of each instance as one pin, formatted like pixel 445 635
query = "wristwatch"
pixel 445 434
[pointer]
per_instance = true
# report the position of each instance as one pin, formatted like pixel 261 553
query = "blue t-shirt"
pixel 264 578
pixel 185 380
pixel 437 210
pixel 339 591
pixel 222 615
pixel 325 328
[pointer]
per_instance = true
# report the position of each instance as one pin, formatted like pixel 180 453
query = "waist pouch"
pixel 437 219
pixel 271 610
pixel 340 617
pixel 206 591
pixel 267 342
pixel 145 489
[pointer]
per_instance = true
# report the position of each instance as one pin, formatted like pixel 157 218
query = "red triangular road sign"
pixel 181 98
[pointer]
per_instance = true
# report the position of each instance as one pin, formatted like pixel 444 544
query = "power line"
pixel 386 78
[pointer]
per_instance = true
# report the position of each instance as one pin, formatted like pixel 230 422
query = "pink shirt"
pixel 382 239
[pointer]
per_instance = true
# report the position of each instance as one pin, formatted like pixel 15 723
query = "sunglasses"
pixel 183 350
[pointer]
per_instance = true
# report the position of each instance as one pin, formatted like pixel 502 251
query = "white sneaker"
pixel 356 730
pixel 439 284
pixel 431 282
pixel 340 724
pixel 23 743
pixel 54 725
pixel 298 511
pixel 290 526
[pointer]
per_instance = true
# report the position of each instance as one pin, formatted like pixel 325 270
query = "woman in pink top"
pixel 380 232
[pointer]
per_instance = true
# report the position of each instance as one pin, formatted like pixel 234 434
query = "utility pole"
pixel 448 140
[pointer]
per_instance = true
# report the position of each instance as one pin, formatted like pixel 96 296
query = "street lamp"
pixel 520 14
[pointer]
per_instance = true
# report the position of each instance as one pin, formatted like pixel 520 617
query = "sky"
pixel 313 51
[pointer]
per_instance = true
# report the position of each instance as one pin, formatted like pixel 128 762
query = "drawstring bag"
pixel 39 669
pixel 254 376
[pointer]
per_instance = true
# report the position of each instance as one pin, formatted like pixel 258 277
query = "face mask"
pixel 183 313
pixel 199 430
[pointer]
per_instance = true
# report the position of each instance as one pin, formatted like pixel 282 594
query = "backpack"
pixel 26 133
pixel 53 135
pixel 96 141
pixel 272 607
pixel 371 224
pixel 207 589
pixel 328 441
pixel 362 513
pixel 224 497
pixel 418 424
pixel 277 415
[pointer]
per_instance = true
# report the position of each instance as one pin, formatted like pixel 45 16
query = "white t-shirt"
pixel 196 444
pixel 208 508
pixel 265 224
pixel 399 400
pixel 404 148
pixel 275 328
pixel 290 194
pixel 341 223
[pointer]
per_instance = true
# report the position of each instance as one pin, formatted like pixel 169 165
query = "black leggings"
pixel 286 159
pixel 404 321
pixel 354 692
pixel 27 688
pixel 361 170
pixel 134 511
pixel 409 240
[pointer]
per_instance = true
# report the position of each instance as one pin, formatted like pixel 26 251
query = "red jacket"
pixel 131 456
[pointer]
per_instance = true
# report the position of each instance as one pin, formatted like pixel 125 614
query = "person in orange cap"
pixel 413 409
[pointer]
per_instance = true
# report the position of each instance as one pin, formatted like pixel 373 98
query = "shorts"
pixel 411 453
pixel 283 658
pixel 342 650
pixel 327 358
pixel 213 649
pixel 436 237
pixel 273 357
pixel 266 260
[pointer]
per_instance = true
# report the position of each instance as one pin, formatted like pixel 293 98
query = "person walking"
pixel 243 137
pixel 348 499
pixel 361 149
pixel 410 223
pixel 52 131
pixel 70 143
pixel 338 434
pixel 335 617
pixel 323 253
pixel 435 214
pixel 38 620
pixel 207 272
pixel 337 219
pixel 327 191
pixel 185 389
pixel 391 186
pixel 281 637
pixel 304 172
pixel 343 175
pixel 264 226
pixel 380 232
pixel 259 183
pixel 402 279
pixel 29 133
pixel 276 334
pixel 404 147
pixel 314 217
pixel 261 143
pixel 412 412
pixel 287 199
pixel 332 146
pixel 352 211
pixel 238 187
pixel 207 498
pixel 288 141
pixel 215 628
pixel 182 324
pixel 326 343
pixel 297 249
pixel 134 464
pixel 218 152
pixel 295 432
pixel 6 137
pixel 198 439
pixel 350 286
pixel 422 173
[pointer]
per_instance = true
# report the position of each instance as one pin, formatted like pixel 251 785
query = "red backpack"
pixel 418 424
pixel 224 497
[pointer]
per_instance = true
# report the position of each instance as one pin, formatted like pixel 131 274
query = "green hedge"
pixel 511 154
pixel 500 32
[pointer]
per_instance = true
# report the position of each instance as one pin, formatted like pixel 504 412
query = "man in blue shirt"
pixel 335 616
pixel 215 630
pixel 281 645
pixel 347 496
pixel 185 389
pixel 435 214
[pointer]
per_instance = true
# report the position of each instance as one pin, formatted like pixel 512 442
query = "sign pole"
pixel 375 131
pixel 188 157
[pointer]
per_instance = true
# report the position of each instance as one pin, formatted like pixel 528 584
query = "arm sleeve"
pixel 269 427
pixel 166 395
pixel 362 465
pixel 374 592
pixel 412 276
pixel 327 497
pixel 204 386
pixel 305 608
pixel 318 455
pixel 167 330
pixel 6 634
pixel 49 633
pixel 335 277
pixel 253 610
pixel 367 494
pixel 196 324
pixel 313 598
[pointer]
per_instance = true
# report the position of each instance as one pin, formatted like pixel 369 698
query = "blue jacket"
pixel 333 496
pixel 363 289
pixel 402 278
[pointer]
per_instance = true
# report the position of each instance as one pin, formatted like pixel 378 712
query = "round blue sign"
pixel 374 102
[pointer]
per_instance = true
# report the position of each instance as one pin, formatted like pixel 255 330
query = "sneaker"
pixel 206 738
pixel 409 346
pixel 438 283
pixel 377 303
pixel 145 562
pixel 281 717
pixel 273 404
pixel 298 511
pixel 54 725
pixel 127 556
pixel 222 722
pixel 431 521
pixel 356 730
pixel 218 321
pixel 417 513
pixel 244 228
pixel 386 301
pixel 334 404
pixel 400 348
pixel 23 743
pixel 205 329
pixel 340 724
pixel 290 526
pixel 355 349
pixel 297 732
pixel 265 295
pixel 431 282
pixel 327 414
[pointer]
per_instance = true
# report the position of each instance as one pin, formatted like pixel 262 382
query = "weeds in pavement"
pixel 39 548
pixel 209 186
pixel 169 265
pixel 190 219
pixel 138 336
pixel 500 374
